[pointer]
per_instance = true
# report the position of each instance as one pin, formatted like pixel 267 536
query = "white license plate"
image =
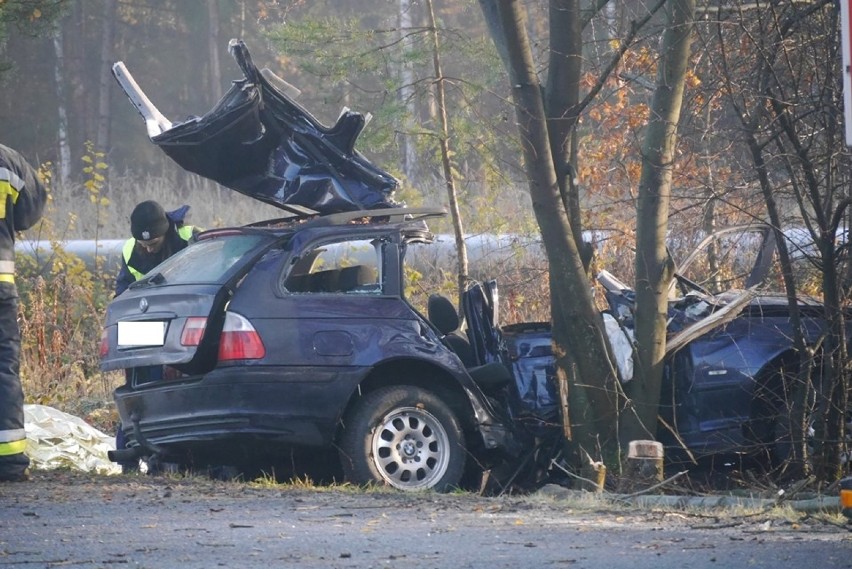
pixel 139 334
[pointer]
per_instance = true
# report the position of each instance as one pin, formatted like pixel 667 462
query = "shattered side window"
pixel 345 267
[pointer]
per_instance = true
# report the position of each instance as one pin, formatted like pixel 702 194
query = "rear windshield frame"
pixel 212 259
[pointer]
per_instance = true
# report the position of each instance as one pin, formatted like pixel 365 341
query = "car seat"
pixel 356 277
pixel 443 314
pixel 491 377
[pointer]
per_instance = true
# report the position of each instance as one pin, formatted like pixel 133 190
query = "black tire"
pixel 405 437
pixel 782 446
pixel 156 466
pixel 771 427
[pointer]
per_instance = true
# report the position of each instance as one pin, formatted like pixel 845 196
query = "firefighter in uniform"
pixel 157 235
pixel 22 199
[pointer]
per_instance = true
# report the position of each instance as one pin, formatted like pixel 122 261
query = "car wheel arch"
pixel 416 373
pixel 770 378
pixel 769 381
pixel 772 395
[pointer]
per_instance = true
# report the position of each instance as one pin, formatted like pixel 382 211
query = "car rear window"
pixel 348 266
pixel 209 260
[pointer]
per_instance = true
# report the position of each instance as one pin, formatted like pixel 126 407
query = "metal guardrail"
pixel 109 250
pixel 482 248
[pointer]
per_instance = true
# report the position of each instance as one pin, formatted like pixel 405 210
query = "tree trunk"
pixel 562 96
pixel 107 35
pixel 654 269
pixel 64 165
pixel 833 389
pixel 406 91
pixel 576 323
pixel 215 77
pixel 800 393
pixel 449 179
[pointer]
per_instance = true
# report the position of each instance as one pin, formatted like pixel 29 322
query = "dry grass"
pixel 60 321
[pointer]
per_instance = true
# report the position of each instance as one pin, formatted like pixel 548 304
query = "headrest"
pixel 443 314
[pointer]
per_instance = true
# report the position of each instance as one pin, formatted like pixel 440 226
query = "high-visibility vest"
pixel 184 232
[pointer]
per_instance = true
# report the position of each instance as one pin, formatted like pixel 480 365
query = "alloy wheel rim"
pixel 410 449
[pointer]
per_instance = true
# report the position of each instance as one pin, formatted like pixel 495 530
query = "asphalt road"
pixel 64 519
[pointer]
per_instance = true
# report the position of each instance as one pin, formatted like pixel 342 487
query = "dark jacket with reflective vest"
pixel 22 199
pixel 135 261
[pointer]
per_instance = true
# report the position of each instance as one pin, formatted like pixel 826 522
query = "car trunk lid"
pixel 145 326
pixel 174 315
pixel 258 141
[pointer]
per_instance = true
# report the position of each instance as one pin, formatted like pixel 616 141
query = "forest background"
pixel 67 115
pixel 64 111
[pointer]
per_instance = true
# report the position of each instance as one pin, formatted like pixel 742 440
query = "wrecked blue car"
pixel 257 339
pixel 296 332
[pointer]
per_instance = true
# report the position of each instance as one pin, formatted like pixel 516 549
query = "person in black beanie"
pixel 157 235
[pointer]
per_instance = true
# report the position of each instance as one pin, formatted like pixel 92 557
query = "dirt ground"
pixel 70 519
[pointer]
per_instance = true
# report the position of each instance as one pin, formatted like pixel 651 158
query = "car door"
pixel 332 308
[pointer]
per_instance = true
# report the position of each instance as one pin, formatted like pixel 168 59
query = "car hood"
pixel 258 141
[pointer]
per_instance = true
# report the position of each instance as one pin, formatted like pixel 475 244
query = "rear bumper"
pixel 280 405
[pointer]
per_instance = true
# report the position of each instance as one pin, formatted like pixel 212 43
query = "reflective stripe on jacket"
pixel 12 441
pixel 10 187
pixel 7 271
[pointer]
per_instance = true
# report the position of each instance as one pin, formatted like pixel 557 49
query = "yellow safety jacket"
pixel 184 232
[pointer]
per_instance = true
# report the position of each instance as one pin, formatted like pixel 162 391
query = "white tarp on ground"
pixel 59 440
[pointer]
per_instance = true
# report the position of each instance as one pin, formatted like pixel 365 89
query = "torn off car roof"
pixel 258 141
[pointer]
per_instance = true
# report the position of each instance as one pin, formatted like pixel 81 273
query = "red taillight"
pixel 192 331
pixel 104 350
pixel 239 340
